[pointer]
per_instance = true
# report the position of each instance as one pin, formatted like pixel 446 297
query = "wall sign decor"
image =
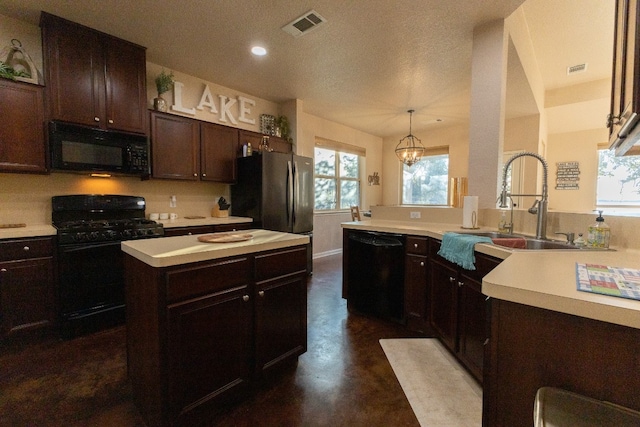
pixel 225 104
pixel 567 175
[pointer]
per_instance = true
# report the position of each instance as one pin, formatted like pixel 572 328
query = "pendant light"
pixel 410 149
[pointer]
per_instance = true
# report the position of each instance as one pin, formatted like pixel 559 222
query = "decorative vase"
pixel 159 104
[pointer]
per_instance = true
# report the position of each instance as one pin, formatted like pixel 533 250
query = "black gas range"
pixel 90 260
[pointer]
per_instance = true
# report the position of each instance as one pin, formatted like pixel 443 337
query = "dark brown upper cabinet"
pixel 22 139
pixel 624 132
pixel 92 78
pixel 189 149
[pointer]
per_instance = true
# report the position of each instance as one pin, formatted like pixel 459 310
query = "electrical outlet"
pixel 415 215
pixel 172 202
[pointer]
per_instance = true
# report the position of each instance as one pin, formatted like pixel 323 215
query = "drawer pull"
pixel 110 121
pixel 245 298
pixel 26 248
pixel 261 293
pixel 4 270
pixel 460 284
pixel 421 263
pixel 415 245
pixel 452 279
pixel 97 119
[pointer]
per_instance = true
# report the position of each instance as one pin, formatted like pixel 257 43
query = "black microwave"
pixel 81 149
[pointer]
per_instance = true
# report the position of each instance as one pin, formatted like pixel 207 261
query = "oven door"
pixel 91 292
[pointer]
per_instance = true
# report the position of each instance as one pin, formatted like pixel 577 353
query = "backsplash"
pixel 26 198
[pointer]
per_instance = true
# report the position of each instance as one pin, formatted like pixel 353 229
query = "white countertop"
pixel 543 278
pixel 168 251
pixel 35 230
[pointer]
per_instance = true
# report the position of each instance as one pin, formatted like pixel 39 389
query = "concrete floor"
pixel 344 379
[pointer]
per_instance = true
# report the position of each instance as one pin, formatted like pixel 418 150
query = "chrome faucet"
pixel 539 206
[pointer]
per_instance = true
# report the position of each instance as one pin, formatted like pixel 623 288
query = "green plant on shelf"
pixel 164 82
pixel 282 123
pixel 7 72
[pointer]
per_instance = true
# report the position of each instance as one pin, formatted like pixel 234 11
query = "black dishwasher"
pixel 376 274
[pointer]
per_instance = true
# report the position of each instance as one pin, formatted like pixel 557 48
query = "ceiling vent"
pixel 575 69
pixel 304 24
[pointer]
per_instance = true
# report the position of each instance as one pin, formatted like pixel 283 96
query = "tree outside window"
pixel 426 182
pixel 337 182
pixel 618 180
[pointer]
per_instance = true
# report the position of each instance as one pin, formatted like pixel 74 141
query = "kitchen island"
pixel 206 322
pixel 541 330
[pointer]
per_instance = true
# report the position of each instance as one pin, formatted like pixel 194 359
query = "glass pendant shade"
pixel 410 149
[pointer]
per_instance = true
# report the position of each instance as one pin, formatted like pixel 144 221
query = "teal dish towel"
pixel 458 248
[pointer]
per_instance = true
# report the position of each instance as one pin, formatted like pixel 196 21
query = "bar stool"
pixel 555 407
pixel 355 213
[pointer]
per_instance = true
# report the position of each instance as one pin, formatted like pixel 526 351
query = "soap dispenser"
pixel 502 225
pixel 599 233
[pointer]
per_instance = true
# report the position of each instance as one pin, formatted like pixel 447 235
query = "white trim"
pixel 327 253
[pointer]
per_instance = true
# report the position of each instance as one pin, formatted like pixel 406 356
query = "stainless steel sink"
pixel 531 242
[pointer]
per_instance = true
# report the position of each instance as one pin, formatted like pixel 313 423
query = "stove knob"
pixel 110 235
pixel 94 235
pixel 126 233
pixel 150 232
pixel 140 232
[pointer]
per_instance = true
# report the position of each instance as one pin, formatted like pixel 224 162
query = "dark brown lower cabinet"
pixel 201 335
pixel 532 347
pixel 416 284
pixel 458 307
pixel 27 294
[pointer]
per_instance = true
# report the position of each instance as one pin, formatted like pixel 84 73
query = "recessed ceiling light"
pixel 259 51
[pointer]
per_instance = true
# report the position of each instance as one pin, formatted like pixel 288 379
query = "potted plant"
pixel 164 83
pixel 282 127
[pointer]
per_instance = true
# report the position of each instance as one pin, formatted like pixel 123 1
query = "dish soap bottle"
pixel 502 225
pixel 599 233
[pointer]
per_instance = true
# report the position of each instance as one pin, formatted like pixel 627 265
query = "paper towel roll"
pixel 470 212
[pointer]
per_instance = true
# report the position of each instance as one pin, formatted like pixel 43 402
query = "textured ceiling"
pixel 371 61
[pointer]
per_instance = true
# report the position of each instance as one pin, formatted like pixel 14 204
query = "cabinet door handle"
pixel 460 284
pixel 26 248
pixel 421 263
pixel 195 174
pixel 4 270
pixel 97 119
pixel 486 341
pixel 204 174
pixel 110 121
pixel 245 298
pixel 415 245
pixel 261 293
pixel 452 279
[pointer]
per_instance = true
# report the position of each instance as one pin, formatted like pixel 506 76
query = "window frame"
pixel 430 152
pixel 337 178
pixel 622 206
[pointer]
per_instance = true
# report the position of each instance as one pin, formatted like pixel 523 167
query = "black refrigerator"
pixel 276 191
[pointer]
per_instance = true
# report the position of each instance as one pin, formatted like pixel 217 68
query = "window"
pixel 337 179
pixel 618 180
pixel 427 182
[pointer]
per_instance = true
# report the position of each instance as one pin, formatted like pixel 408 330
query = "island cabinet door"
pixel 444 292
pixel 209 360
pixel 281 308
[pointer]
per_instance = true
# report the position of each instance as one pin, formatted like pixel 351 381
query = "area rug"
pixel 440 391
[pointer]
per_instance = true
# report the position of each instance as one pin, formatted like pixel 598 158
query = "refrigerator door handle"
pixel 296 189
pixel 289 193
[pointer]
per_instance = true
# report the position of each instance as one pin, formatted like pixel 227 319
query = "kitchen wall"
pixel 327 237
pixel 27 198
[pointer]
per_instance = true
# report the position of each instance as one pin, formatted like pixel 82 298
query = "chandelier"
pixel 410 149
